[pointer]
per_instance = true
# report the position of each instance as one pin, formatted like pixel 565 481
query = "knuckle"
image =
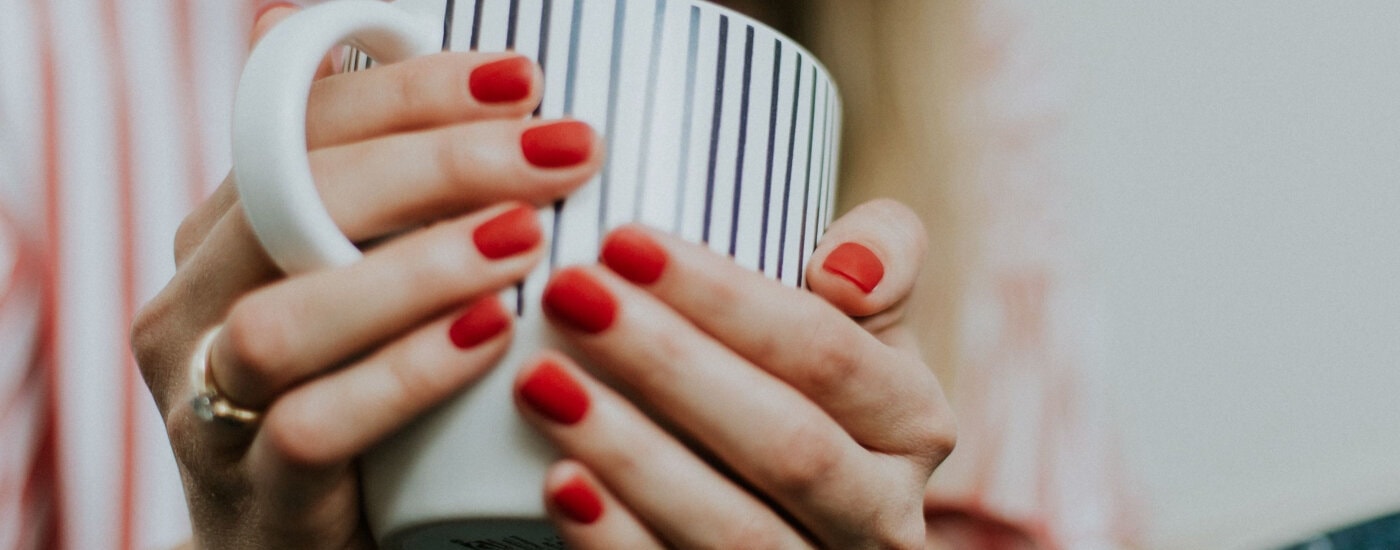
pixel 441 267
pixel 429 85
pixel 892 519
pixel 410 95
pixel 417 384
pixel 667 346
pixel 453 165
pixel 941 441
pixel 721 294
pixel 297 439
pixel 835 357
pixel 441 261
pixel 158 349
pixel 905 535
pixel 621 460
pixel 145 337
pixel 934 440
pixel 804 459
pixel 188 235
pixel 753 533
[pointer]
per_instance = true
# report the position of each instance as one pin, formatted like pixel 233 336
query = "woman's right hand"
pixel 340 358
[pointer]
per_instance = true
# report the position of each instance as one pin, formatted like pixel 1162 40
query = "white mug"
pixel 720 130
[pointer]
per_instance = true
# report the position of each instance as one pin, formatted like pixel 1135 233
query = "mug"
pixel 720 130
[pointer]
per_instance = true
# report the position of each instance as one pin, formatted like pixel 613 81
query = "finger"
pixel 419 93
pixel 285 333
pixel 314 431
pixel 268 16
pixel 684 500
pixel 196 226
pixel 273 13
pixel 885 398
pixel 771 435
pixel 197 298
pixel 868 259
pixel 438 173
pixel 587 515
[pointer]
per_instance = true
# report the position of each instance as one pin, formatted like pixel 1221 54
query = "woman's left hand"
pixel 739 412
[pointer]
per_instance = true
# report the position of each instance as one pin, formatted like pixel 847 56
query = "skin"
pixel 826 437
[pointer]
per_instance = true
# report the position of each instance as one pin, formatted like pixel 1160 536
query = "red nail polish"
pixel 509 233
pixel 479 323
pixel 502 81
pixel 557 145
pixel 578 501
pixel 269 7
pixel 631 253
pixel 553 393
pixel 856 264
pixel 576 299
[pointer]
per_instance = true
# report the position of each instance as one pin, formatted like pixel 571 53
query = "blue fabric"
pixel 1381 533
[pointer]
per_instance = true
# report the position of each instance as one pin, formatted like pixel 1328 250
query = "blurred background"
pixel 1235 174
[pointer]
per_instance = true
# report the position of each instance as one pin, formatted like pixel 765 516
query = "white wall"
pixel 1238 169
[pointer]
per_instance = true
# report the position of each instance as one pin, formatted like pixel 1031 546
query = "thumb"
pixel 272 13
pixel 867 261
pixel 268 16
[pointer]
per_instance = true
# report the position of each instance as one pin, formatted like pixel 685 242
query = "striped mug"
pixel 720 130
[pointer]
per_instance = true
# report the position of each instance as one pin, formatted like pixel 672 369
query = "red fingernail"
pixel 577 299
pixel 553 393
pixel 509 233
pixel 479 323
pixel 502 81
pixel 557 145
pixel 631 253
pixel 578 501
pixel 269 7
pixel 857 264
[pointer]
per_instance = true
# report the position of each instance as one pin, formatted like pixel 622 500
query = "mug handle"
pixel 270 165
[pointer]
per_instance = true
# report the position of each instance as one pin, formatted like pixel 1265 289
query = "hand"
pixel 338 359
pixel 746 414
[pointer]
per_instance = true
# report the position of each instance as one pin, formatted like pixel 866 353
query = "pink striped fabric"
pixel 26 475
pixel 113 121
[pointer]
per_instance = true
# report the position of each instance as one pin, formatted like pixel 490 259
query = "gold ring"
pixel 209 402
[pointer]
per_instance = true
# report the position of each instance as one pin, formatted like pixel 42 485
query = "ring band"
pixel 209 402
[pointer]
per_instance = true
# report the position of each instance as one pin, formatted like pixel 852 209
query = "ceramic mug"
pixel 719 130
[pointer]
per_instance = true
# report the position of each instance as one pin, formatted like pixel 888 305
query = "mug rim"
pixel 725 11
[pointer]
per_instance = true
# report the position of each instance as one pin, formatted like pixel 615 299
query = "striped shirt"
pixel 113 123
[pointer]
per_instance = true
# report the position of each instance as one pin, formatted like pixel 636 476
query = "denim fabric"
pixel 1381 533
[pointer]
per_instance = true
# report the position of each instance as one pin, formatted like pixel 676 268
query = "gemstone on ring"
pixel 203 405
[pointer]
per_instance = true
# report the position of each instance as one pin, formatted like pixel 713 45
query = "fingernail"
pixel 557 145
pixel 578 300
pixel 578 501
pixel 502 81
pixel 269 7
pixel 554 394
pixel 479 323
pixel 509 233
pixel 631 253
pixel 856 264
